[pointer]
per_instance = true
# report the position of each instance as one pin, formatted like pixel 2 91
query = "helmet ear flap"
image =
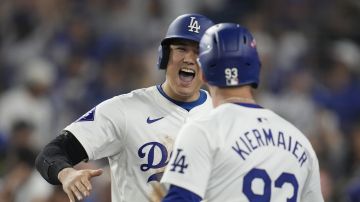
pixel 160 57
pixel 165 53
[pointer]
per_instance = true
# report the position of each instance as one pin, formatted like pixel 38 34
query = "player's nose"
pixel 190 57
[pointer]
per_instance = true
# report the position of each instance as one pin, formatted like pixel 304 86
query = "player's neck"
pixel 186 97
pixel 232 95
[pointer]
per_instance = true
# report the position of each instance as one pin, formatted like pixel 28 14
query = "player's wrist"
pixel 63 173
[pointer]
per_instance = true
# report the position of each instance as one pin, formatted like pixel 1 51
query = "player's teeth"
pixel 188 70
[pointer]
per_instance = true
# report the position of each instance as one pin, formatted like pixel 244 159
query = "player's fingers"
pixel 94 173
pixel 86 183
pixel 81 187
pixel 76 192
pixel 70 195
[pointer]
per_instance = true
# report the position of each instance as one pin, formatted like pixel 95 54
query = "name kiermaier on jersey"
pixel 254 139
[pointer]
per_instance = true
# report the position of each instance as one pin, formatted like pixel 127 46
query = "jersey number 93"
pixel 261 174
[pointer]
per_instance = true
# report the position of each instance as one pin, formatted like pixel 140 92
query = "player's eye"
pixel 180 48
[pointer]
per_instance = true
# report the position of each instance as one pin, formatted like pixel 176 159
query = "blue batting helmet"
pixel 188 26
pixel 228 56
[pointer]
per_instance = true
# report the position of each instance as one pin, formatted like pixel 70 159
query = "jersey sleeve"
pixel 191 160
pixel 178 194
pixel 312 187
pixel 101 130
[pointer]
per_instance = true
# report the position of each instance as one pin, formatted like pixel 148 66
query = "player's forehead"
pixel 184 42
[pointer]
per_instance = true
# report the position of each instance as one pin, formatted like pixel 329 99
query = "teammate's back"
pixel 256 155
pixel 241 151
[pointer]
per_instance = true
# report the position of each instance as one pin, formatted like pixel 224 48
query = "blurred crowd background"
pixel 60 58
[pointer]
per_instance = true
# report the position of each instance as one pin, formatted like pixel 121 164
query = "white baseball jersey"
pixel 136 132
pixel 242 152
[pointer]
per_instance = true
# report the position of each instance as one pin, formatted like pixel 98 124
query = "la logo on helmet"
pixel 194 25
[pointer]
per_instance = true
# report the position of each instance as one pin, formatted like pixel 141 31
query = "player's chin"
pixel 186 85
pixel 188 90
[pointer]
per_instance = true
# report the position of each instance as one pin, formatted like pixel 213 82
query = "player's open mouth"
pixel 186 74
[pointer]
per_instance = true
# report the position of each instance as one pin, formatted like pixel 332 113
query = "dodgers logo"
pixel 179 162
pixel 194 25
pixel 148 150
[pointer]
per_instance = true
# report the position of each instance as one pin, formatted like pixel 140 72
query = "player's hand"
pixel 77 182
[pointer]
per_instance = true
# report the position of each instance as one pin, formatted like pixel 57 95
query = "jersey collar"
pixel 185 105
pixel 250 105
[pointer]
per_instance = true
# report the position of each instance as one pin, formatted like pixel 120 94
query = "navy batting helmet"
pixel 188 26
pixel 228 56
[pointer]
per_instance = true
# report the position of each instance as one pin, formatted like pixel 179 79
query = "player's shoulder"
pixel 238 111
pixel 293 130
pixel 138 93
pixel 207 121
pixel 206 125
pixel 223 112
pixel 135 97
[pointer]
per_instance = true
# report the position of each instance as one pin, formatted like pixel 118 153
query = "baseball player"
pixel 134 131
pixel 241 151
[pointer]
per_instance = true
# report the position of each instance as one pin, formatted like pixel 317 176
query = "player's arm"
pixel 178 194
pixel 189 168
pixel 63 152
pixel 55 163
